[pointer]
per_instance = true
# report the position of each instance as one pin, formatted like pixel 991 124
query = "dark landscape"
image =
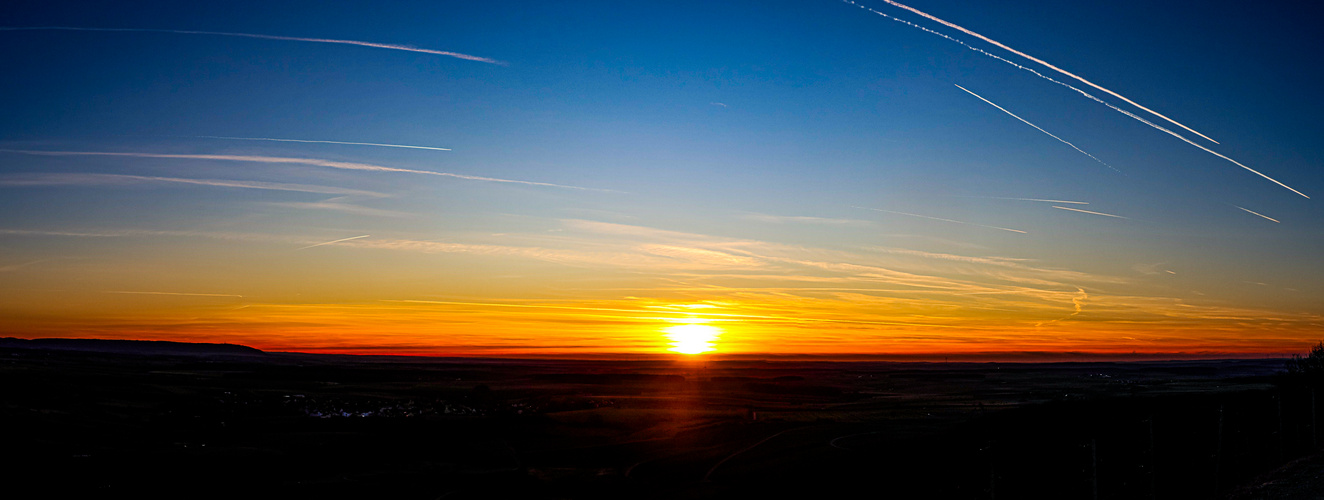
pixel 126 419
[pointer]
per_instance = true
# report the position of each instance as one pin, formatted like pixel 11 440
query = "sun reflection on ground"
pixel 692 338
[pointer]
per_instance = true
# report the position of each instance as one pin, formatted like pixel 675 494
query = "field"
pixel 141 423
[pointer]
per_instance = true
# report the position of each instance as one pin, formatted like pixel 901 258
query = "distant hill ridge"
pixel 130 346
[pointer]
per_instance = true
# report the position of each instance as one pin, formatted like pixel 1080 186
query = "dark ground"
pixel 231 423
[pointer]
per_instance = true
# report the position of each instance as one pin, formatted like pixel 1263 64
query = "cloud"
pixel 300 161
pixel 943 220
pixel 321 142
pixel 178 293
pixel 117 179
pixel 1027 199
pixel 375 45
pixel 791 219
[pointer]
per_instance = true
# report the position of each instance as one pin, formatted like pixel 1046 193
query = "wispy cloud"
pixel 176 293
pixel 1028 199
pixel 1247 210
pixel 320 142
pixel 15 267
pixel 117 179
pixel 1089 212
pixel 332 242
pixel 943 220
pixel 1036 127
pixel 1083 93
pixel 300 161
pixel 337 205
pixel 799 219
pixel 375 45
pixel 722 104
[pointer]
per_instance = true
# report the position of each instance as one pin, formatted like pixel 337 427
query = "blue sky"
pixel 767 122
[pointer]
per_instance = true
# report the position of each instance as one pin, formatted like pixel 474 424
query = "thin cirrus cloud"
pixel 943 220
pixel 176 293
pixel 270 139
pixel 1028 199
pixel 1081 92
pixel 301 161
pixel 1036 127
pixel 119 179
pixel 374 45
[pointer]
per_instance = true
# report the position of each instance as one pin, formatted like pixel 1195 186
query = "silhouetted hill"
pixel 151 347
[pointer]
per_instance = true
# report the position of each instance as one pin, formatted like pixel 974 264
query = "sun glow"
pixel 692 338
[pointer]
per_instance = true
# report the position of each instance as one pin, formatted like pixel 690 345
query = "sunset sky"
pixel 619 178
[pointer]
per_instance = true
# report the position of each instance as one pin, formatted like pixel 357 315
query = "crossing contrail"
pixel 1037 60
pixel 1063 141
pixel 320 142
pixel 334 241
pixel 1259 214
pixel 264 37
pixel 944 220
pixel 1089 212
pixel 1083 93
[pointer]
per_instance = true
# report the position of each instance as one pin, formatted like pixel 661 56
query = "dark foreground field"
pixel 171 422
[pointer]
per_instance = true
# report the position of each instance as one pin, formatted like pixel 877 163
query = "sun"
pixel 692 338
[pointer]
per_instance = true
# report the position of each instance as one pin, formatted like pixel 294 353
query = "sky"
pixel 917 180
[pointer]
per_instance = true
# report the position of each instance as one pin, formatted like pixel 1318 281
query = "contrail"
pixel 1078 302
pixel 1081 92
pixel 333 241
pixel 944 220
pixel 178 293
pixel 320 142
pixel 1089 212
pixel 1027 199
pixel 1063 141
pixel 1040 61
pixel 1259 214
pixel 266 37
pixel 300 161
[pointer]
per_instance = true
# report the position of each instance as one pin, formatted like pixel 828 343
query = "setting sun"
pixel 692 339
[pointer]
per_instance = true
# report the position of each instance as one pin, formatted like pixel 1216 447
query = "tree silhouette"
pixel 1310 367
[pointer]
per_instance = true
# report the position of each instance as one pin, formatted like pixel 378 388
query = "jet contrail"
pixel 320 142
pixel 1078 302
pixel 300 161
pixel 1013 115
pixel 179 293
pixel 1259 214
pixel 1040 61
pixel 334 241
pixel 944 220
pixel 1089 212
pixel 1081 92
pixel 1027 199
pixel 266 37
